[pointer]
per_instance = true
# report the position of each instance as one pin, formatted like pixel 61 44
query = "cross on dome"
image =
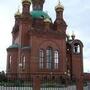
pixel 26 0
pixel 59 5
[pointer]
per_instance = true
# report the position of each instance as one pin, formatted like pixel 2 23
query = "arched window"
pixel 10 60
pixel 23 62
pixel 41 58
pixel 76 48
pixel 49 57
pixel 56 59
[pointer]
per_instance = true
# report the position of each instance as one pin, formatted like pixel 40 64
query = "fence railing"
pixel 41 82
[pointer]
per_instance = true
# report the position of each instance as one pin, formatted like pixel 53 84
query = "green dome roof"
pixel 14 46
pixel 39 14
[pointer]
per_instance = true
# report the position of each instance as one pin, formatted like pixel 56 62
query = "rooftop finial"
pixel 59 5
pixel 58 1
pixel 73 35
pixel 18 12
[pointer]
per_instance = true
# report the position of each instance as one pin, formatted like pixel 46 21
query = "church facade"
pixel 42 47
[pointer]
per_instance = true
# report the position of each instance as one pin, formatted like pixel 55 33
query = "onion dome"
pixel 17 13
pixel 47 20
pixel 59 6
pixel 39 14
pixel 26 1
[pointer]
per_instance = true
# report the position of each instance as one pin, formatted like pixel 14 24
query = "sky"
pixel 76 15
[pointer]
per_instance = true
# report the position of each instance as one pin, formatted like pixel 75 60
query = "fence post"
pixel 79 84
pixel 36 83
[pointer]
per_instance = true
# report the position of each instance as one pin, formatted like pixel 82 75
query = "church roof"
pixel 39 14
pixel 13 46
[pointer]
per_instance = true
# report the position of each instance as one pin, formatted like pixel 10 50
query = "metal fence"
pixel 47 82
pixel 12 82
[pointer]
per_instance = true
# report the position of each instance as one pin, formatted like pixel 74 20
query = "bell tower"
pixel 60 24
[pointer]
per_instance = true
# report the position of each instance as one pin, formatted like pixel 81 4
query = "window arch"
pixel 49 57
pixel 41 58
pixel 56 59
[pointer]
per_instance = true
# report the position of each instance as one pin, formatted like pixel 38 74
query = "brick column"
pixel 79 84
pixel 36 83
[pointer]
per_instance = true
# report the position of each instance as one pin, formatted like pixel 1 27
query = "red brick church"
pixel 42 47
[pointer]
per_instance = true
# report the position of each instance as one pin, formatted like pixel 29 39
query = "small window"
pixel 10 61
pixel 56 59
pixel 41 59
pixel 20 63
pixel 76 48
pixel 49 57
pixel 23 62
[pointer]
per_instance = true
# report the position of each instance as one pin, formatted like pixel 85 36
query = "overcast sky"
pixel 76 15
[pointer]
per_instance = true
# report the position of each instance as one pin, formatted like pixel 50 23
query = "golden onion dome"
pixel 17 13
pixel 59 6
pixel 26 0
pixel 47 20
